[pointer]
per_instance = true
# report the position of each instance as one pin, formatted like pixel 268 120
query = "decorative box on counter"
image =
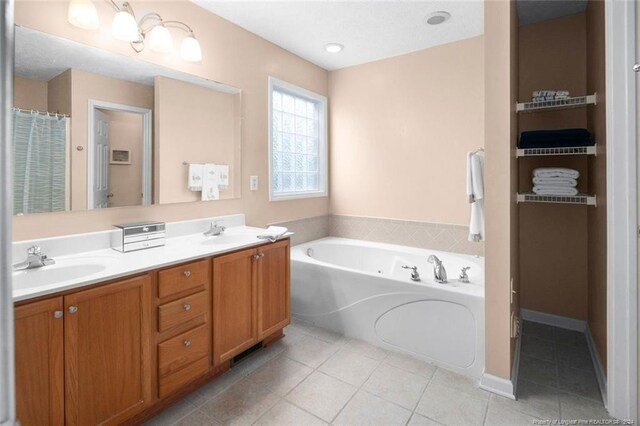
pixel 138 236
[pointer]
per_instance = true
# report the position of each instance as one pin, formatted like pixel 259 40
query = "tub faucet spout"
pixel 439 273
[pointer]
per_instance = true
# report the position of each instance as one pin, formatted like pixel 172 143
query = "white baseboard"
pixel 497 385
pixel 597 365
pixel 554 320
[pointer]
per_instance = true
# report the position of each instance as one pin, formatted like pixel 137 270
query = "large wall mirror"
pixel 94 129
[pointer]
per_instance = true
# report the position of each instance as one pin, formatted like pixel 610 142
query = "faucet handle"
pixel 34 250
pixel 464 269
pixel 414 268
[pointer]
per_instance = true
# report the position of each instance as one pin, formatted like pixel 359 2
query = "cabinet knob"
pixel 187 343
pixel 73 309
pixel 186 274
pixel 186 307
pixel 58 314
pixel 258 256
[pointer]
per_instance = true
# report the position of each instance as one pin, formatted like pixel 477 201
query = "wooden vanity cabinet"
pixel 85 358
pixel 251 298
pixel 39 330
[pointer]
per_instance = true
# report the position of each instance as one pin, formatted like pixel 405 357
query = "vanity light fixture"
pixel 437 18
pixel 150 29
pixel 333 47
pixel 83 14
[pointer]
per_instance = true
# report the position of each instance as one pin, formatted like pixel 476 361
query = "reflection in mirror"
pixel 95 129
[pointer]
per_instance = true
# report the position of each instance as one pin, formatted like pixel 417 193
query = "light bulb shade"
pixel 190 49
pixel 124 27
pixel 83 14
pixel 160 39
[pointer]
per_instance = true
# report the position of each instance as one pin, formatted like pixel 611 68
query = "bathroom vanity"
pixel 120 350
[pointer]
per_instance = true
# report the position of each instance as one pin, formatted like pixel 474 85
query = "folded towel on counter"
pixel 210 183
pixel 272 233
pixel 194 180
pixel 555 172
pixel 554 190
pixel 556 138
pixel 555 181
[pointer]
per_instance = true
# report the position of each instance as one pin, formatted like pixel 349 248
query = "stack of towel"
pixel 549 95
pixel 556 138
pixel 555 181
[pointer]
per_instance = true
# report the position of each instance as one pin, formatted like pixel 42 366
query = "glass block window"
pixel 298 147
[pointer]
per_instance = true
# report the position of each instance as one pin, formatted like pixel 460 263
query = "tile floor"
pixel 315 377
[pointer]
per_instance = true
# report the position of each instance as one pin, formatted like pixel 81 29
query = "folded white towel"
pixel 554 190
pixel 223 173
pixel 551 172
pixel 272 233
pixel 555 181
pixel 194 180
pixel 210 183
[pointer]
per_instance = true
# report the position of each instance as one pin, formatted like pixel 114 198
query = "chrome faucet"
pixel 35 259
pixel 464 278
pixel 415 276
pixel 439 273
pixel 215 230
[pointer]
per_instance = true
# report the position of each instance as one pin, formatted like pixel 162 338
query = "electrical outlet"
pixel 253 183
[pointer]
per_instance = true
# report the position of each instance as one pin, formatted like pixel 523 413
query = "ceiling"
pixel 534 11
pixel 369 30
pixel 42 56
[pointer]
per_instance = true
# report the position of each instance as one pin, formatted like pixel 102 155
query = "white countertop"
pixel 84 268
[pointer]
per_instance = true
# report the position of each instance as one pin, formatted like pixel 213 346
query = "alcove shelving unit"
pixel 543 106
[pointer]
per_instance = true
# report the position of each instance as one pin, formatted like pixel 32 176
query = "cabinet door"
pixel 39 363
pixel 234 304
pixel 108 352
pixel 274 296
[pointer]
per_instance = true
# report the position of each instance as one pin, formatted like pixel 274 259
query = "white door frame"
pixel 147 156
pixel 622 275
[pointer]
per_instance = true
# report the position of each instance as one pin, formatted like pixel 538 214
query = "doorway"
pixel 119 155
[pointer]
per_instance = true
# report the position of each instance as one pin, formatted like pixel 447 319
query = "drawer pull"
pixel 186 274
pixel 73 309
pixel 58 314
pixel 187 343
pixel 186 307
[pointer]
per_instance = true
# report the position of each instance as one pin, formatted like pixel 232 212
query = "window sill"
pixel 293 196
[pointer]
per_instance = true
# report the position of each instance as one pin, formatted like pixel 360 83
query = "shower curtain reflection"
pixel 40 162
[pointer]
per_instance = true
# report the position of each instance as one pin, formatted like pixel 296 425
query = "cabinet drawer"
pixel 182 350
pixel 182 310
pixel 175 381
pixel 176 280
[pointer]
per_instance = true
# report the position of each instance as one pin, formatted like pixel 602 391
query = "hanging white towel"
pixel 551 172
pixel 475 192
pixel 223 173
pixel 555 190
pixel 194 180
pixel 210 183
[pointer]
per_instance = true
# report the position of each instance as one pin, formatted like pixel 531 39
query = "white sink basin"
pixel 63 270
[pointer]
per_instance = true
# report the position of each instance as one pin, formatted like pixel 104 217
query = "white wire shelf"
pixel 574 102
pixel 583 199
pixel 539 152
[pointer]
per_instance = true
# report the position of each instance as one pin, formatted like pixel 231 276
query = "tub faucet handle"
pixel 415 276
pixel 464 278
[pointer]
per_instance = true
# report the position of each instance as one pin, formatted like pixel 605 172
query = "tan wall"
pixel 400 132
pixel 29 93
pixel 59 93
pixel 196 125
pixel 553 238
pixel 501 78
pixel 84 87
pixel 597 218
pixel 231 55
pixel 125 180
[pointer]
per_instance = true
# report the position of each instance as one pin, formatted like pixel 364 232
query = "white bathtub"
pixel 359 289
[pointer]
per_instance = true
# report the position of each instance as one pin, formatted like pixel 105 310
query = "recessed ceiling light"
pixel 333 47
pixel 437 18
